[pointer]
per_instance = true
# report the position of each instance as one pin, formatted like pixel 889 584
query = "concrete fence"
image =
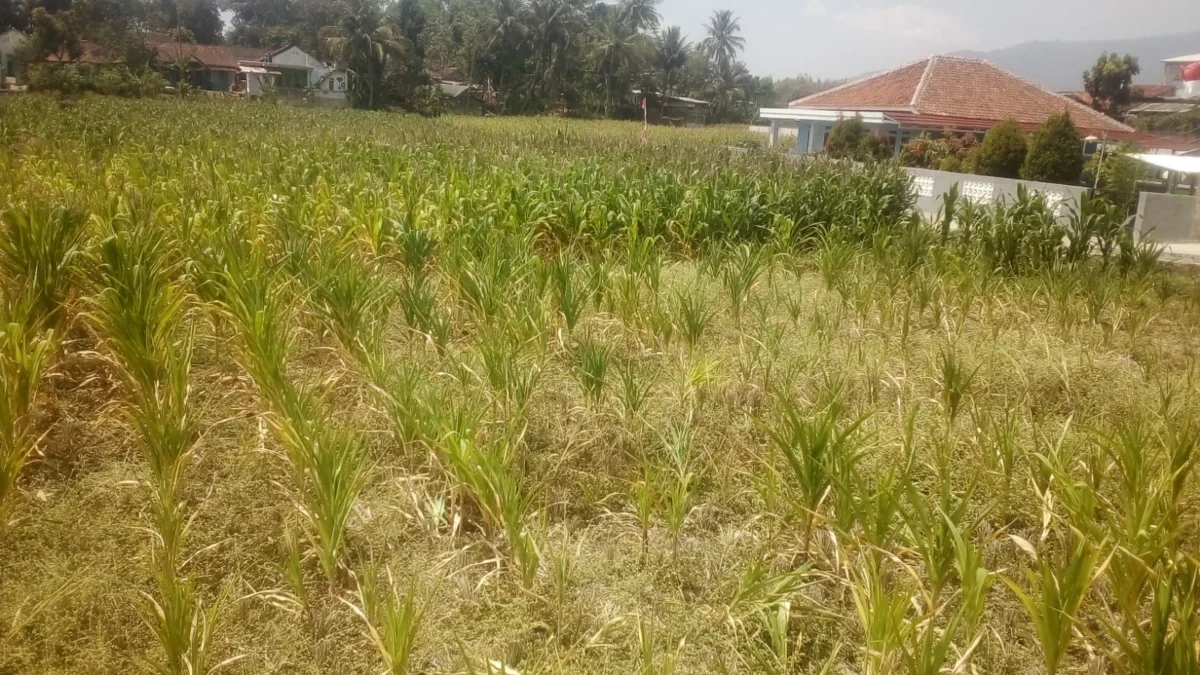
pixel 1168 218
pixel 929 186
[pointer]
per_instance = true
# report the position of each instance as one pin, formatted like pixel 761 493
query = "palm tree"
pixel 618 52
pixel 365 45
pixel 671 53
pixel 723 42
pixel 552 26
pixel 640 14
pixel 727 86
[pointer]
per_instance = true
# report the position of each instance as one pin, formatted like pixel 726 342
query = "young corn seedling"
pixel 592 358
pixel 740 274
pixel 679 497
pixel 644 498
pixel 492 480
pixel 22 361
pixel 881 608
pixel 819 449
pixel 955 382
pixel 40 250
pixel 1058 585
pixel 635 389
pixel 649 661
pixel 932 528
pixel 393 620
pixel 139 312
pixel 571 298
pixel 692 316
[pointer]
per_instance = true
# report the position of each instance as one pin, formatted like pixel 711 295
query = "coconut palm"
pixel 723 42
pixel 640 14
pixel 671 52
pixel 365 45
pixel 618 52
pixel 552 25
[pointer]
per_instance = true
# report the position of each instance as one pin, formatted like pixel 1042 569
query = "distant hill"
pixel 1059 66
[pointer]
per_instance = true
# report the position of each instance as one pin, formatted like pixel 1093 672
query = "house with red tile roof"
pixel 220 68
pixel 935 95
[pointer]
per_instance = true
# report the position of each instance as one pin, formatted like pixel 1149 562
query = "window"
pixel 294 79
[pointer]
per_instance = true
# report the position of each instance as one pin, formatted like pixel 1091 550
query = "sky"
pixel 832 38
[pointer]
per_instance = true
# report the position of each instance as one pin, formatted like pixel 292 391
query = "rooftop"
pixel 955 90
pixel 1188 58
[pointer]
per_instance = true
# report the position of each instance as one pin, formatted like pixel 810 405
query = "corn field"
pixel 302 391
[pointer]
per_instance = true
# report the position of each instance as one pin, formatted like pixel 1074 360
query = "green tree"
pixel 366 45
pixel 1003 151
pixel 1110 82
pixel 640 15
pixel 1116 176
pixel 671 53
pixel 1056 154
pixel 851 139
pixel 724 41
pixel 618 51
pixel 55 35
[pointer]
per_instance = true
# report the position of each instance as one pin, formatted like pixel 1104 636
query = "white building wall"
pixel 329 83
pixel 10 42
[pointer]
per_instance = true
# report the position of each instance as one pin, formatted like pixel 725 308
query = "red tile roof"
pixel 167 52
pixel 1142 92
pixel 958 88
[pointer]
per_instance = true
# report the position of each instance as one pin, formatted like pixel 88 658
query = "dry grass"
pixel 969 384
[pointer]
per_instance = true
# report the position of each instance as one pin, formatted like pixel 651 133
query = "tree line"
pixel 580 57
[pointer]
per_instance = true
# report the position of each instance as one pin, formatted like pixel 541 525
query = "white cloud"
pixel 815 8
pixel 906 21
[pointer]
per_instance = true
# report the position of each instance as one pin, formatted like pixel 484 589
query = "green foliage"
pixel 1110 81
pixel 851 139
pixel 948 152
pixel 1056 154
pixel 1003 151
pixel 1116 176
pixel 79 78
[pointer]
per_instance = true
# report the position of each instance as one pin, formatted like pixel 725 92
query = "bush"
pixel 846 138
pixel 77 78
pixel 1003 151
pixel 949 153
pixel 1118 180
pixel 427 101
pixel 1056 155
pixel 851 139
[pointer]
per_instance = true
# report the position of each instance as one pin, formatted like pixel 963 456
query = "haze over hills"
pixel 1059 66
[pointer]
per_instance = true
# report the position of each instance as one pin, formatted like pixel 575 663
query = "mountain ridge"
pixel 1058 65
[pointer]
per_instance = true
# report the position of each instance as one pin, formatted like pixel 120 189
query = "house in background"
pixel 289 73
pixel 11 42
pixel 937 95
pixel 1173 74
pixel 676 111
pixel 300 73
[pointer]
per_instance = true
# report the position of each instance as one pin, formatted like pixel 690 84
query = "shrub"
pixel 845 138
pixel 1003 151
pixel 74 78
pixel 1056 155
pixel 1118 178
pixel 948 153
pixel 851 139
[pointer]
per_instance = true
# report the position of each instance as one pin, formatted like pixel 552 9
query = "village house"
pixel 289 73
pixel 11 42
pixel 943 94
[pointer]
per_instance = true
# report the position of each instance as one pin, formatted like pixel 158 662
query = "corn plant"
pixel 1057 586
pixel 22 361
pixel 393 620
pixel 881 609
pixel 650 662
pixel 740 274
pixel 490 476
pixel 571 299
pixel 140 312
pixel 955 382
pixel 679 490
pixel 692 316
pixel 40 248
pixel 820 449
pixel 591 365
